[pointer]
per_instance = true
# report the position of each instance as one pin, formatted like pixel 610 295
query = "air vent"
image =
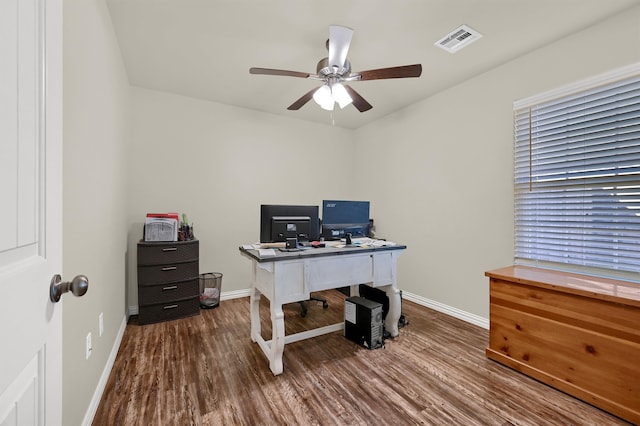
pixel 458 38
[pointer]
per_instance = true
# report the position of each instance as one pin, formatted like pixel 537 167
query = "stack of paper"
pixel 161 227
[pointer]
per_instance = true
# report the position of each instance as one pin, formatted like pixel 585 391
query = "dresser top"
pixel 619 291
pixel 156 243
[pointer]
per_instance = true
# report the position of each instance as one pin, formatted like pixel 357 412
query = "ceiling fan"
pixel 335 70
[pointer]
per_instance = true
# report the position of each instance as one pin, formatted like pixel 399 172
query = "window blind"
pixel 577 179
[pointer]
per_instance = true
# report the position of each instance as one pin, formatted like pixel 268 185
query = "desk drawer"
pixel 168 311
pixel 339 271
pixel 167 253
pixel 168 273
pixel 164 293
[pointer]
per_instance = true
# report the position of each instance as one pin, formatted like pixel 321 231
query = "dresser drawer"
pixel 167 273
pixel 164 293
pixel 168 311
pixel 167 253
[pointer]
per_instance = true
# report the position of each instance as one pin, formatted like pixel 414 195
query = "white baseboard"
pixel 449 310
pixel 102 383
pixel 235 294
pixel 423 301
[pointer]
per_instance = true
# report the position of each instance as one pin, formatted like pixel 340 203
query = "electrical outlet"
pixel 101 323
pixel 89 347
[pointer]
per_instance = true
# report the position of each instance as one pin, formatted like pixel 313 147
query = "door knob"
pixel 78 287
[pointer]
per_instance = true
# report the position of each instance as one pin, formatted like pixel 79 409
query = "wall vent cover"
pixel 458 38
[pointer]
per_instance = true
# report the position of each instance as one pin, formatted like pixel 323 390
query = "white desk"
pixel 291 276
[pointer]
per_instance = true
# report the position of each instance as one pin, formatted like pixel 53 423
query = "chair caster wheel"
pixel 325 305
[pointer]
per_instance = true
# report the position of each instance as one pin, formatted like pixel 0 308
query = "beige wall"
pixel 96 105
pixel 217 164
pixel 444 184
pixel 446 189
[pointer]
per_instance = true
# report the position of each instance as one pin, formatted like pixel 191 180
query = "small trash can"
pixel 210 288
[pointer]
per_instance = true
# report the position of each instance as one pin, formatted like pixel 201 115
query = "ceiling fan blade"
pixel 339 41
pixel 303 100
pixel 286 73
pixel 393 72
pixel 358 101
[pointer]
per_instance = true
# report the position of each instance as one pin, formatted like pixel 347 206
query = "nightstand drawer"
pixel 163 293
pixel 168 311
pixel 167 273
pixel 172 252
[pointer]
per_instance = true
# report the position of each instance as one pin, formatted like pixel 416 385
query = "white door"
pixel 30 211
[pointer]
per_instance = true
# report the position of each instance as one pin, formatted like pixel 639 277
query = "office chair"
pixel 303 304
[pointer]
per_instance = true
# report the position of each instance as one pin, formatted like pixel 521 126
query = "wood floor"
pixel 205 370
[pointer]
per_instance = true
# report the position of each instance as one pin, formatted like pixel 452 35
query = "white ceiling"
pixel 204 48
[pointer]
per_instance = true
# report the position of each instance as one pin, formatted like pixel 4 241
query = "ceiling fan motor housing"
pixel 324 70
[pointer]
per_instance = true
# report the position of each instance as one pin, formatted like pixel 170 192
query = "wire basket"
pixel 210 289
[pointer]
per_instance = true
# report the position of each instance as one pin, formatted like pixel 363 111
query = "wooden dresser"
pixel 577 333
pixel 168 280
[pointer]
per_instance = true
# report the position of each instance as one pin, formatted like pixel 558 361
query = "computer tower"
pixel 376 295
pixel 380 296
pixel 363 322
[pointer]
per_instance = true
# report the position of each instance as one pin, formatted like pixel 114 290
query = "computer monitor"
pixel 340 217
pixel 279 222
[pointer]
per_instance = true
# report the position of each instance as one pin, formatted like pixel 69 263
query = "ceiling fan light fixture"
pixel 328 105
pixel 340 95
pixel 323 97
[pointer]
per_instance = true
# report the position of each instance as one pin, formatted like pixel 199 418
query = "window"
pixel 577 177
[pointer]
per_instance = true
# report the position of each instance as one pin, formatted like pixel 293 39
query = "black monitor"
pixel 341 217
pixel 279 222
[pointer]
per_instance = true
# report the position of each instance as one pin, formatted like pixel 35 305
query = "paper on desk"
pixel 266 252
pixel 382 243
pixel 365 242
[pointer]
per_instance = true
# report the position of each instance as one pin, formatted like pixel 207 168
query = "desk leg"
pixel 277 339
pixel 354 290
pixel 255 313
pixel 395 310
